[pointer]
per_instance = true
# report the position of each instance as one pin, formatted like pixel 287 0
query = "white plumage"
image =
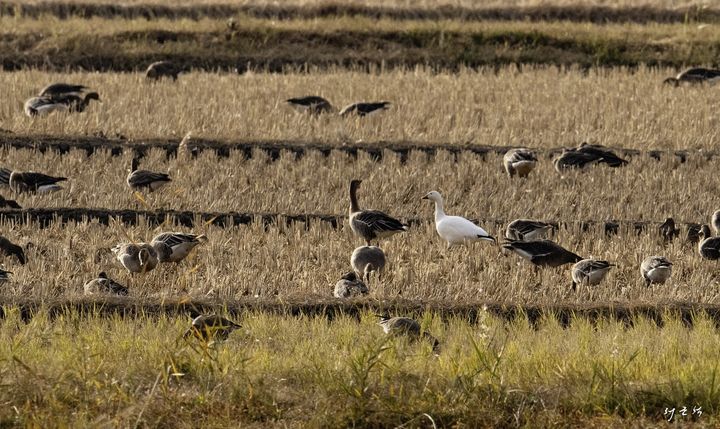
pixel 455 229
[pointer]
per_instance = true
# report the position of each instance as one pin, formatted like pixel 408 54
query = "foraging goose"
pixel 136 258
pixel 40 106
pixel 585 155
pixel 589 272
pixel 33 182
pixel 58 89
pixel 455 229
pixel 104 285
pixel 4 276
pixel 605 155
pixel 160 69
pixel 366 259
pixel 544 253
pixel 7 248
pixel 175 246
pixel 350 286
pixel 311 104
pixel 8 204
pixel 364 109
pixel 371 224
pixel 667 230
pixel 715 222
pixel 709 246
pixel 211 327
pixel 139 179
pixel 655 269
pixel 526 230
pixel 5 176
pixel 405 326
pixel 694 75
pixel 692 235
pixel 519 161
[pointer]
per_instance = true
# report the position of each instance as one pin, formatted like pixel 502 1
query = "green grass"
pixel 81 370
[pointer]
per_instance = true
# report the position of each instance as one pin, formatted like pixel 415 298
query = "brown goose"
pixel 367 259
pixel 364 109
pixel 211 327
pixel 693 233
pixel 160 69
pixel 104 285
pixel 589 272
pixel 668 231
pixel 585 155
pixel 527 230
pixel 311 104
pixel 709 246
pixel 544 253
pixel 7 248
pixel 350 286
pixel 406 326
pixel 136 258
pixel 144 179
pixel 59 89
pixel 40 106
pixel 175 246
pixel 655 269
pixel 519 162
pixel 33 182
pixel 695 75
pixel 371 224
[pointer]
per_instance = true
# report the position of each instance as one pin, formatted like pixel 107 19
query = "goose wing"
pixel 308 101
pixel 362 109
pixel 5 176
pixel 517 229
pixel 140 178
pixel 5 203
pixel 518 155
pixel 379 221
pixel 173 239
pixel 36 180
pixel 55 89
pixel 699 73
pixel 591 265
pixel 574 159
pixel 603 154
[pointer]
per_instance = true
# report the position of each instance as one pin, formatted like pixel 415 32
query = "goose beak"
pixel 425 198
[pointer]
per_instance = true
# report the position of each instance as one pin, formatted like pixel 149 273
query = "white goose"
pixel 455 229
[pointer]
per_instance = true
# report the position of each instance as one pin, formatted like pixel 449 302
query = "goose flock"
pixel 527 238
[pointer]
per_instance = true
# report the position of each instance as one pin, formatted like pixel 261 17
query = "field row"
pixel 536 108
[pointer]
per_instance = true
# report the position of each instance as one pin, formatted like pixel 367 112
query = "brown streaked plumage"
pixel 709 246
pixel 350 286
pixel 519 161
pixel 160 69
pixel 406 326
pixel 655 269
pixel 527 229
pixel 589 272
pixel 33 182
pixel 543 253
pixel 145 179
pixel 371 224
pixel 668 231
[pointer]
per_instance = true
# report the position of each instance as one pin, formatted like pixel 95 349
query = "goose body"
pixel 160 69
pixel 311 104
pixel 8 248
pixel 144 179
pixel 655 269
pixel 668 231
pixel 364 109
pixel 406 326
pixel 604 154
pixel 371 224
pixel 136 258
pixel 589 272
pixel 8 204
pixel 695 75
pixel 542 252
pixel 455 230
pixel 41 106
pixel 4 276
pixel 519 162
pixel 715 222
pixel 527 230
pixel 709 246
pixel 33 182
pixel 586 155
pixel 5 176
pixel 350 286
pixel 103 285
pixel 57 89
pixel 367 259
pixel 175 246
pixel 211 327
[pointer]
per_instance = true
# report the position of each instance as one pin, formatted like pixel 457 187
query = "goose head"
pixel 671 81
pixel 351 276
pixel 355 184
pixel 102 275
pixel 704 232
pixel 433 196
pixel 143 256
pixel 92 96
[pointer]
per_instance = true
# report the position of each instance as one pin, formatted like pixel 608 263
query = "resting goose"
pixel 709 246
pixel 175 246
pixel 519 161
pixel 104 285
pixel 211 327
pixel 33 182
pixel 589 272
pixel 136 258
pixel 405 326
pixel 526 230
pixel 366 259
pixel 160 69
pixel 58 89
pixel 364 109
pixel 8 204
pixel 5 176
pixel 370 224
pixel 4 276
pixel 695 75
pixel 311 104
pixel 455 229
pixel 655 269
pixel 350 286
pixel 715 222
pixel 7 248
pixel 544 253
pixel 144 179
pixel 667 230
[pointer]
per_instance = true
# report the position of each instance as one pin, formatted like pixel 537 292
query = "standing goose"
pixel 33 182
pixel 175 246
pixel 364 109
pixel 136 258
pixel 695 75
pixel 527 230
pixel 8 204
pixel 4 276
pixel 455 229
pixel 655 269
pixel 5 176
pixel 311 104
pixel 144 179
pixel 668 231
pixel 406 326
pixel 350 286
pixel 59 89
pixel 519 161
pixel 160 69
pixel 7 248
pixel 371 224
pixel 366 259
pixel 104 285
pixel 715 222
pixel 709 246
pixel 544 253
pixel 589 272
pixel 211 327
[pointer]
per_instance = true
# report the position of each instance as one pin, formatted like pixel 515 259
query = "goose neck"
pixel 354 206
pixel 439 210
